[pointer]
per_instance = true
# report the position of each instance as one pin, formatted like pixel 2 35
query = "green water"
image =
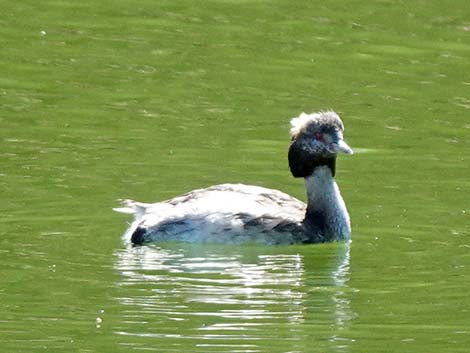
pixel 149 99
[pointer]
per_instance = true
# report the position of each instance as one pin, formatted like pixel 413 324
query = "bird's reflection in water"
pixel 230 299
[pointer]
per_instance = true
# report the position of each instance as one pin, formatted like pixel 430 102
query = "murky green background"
pixel 149 99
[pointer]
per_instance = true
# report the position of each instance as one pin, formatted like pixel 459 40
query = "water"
pixel 101 101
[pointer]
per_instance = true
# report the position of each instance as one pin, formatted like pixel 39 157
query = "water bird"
pixel 236 213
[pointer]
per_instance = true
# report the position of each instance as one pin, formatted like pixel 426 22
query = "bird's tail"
pixel 132 207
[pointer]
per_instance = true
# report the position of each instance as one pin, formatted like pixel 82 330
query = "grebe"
pixel 235 213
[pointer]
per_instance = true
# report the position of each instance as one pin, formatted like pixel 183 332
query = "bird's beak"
pixel 341 147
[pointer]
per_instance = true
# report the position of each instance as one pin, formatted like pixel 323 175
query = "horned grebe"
pixel 235 213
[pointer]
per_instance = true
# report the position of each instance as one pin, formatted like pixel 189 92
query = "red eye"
pixel 318 136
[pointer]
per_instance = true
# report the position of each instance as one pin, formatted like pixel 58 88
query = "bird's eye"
pixel 318 136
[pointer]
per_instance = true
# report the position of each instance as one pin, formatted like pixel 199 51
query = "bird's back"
pixel 222 213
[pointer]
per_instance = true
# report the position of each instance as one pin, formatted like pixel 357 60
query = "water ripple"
pixel 208 296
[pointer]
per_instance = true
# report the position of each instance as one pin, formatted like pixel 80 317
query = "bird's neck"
pixel 326 211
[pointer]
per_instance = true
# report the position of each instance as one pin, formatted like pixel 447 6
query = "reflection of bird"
pixel 234 213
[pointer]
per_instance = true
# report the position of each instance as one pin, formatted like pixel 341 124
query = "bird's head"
pixel 316 139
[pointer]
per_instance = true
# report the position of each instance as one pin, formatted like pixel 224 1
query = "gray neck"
pixel 326 212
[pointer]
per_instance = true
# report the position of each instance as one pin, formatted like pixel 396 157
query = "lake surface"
pixel 150 99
